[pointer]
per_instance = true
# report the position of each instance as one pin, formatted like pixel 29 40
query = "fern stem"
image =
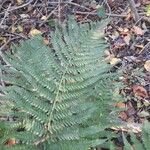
pixel 51 114
pixel 54 103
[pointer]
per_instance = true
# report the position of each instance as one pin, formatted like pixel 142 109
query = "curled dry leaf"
pixel 19 2
pixel 115 61
pixel 123 31
pixel 120 105
pixel 20 28
pixel 123 116
pixel 46 41
pixel 128 17
pixel 127 39
pixel 140 91
pixel 147 65
pixel 44 18
pixel 10 142
pixel 34 32
pixel 137 30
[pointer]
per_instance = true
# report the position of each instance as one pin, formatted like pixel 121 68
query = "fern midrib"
pixel 54 103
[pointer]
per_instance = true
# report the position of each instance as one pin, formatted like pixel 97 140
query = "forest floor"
pixel 128 36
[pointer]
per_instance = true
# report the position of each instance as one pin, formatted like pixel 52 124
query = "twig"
pixel 147 19
pixel 71 3
pixel 134 10
pixel 94 13
pixel 18 7
pixel 3 46
pixel 129 127
pixel 49 15
pixel 109 9
pixel 145 47
pixel 2 82
pixel 41 140
pixel 6 14
pixel 59 11
pixel 9 40
pixel 75 4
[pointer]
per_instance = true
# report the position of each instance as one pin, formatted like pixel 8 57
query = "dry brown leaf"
pixel 120 29
pixel 137 30
pixel 140 91
pixel 34 32
pixel 13 29
pixel 20 28
pixel 19 2
pixel 23 16
pixel 120 105
pixel 128 17
pixel 127 39
pixel 46 41
pixel 147 65
pixel 124 31
pixel 3 39
pixel 115 61
pixel 43 18
pixel 10 142
pixel 123 116
pixel 145 2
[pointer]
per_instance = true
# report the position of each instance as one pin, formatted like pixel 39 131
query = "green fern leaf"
pixel 58 93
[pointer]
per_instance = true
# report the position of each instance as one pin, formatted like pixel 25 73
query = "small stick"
pixel 59 11
pixel 49 15
pixel 6 14
pixel 129 127
pixel 145 47
pixel 71 3
pixel 147 19
pixel 94 13
pixel 134 10
pixel 15 8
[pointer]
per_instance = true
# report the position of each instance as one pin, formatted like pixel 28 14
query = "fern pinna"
pixel 58 94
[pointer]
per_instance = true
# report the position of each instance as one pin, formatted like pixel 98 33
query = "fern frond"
pixel 58 92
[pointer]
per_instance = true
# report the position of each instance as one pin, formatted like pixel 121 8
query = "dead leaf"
pixel 10 142
pixel 140 91
pixel 120 105
pixel 20 28
pixel 123 116
pixel 13 17
pixel 19 2
pixel 147 65
pixel 34 32
pixel 44 18
pixel 46 41
pixel 23 16
pixel 115 61
pixel 120 29
pixel 128 17
pixel 13 29
pixel 127 39
pixel 123 31
pixel 119 42
pixel 145 2
pixel 137 30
